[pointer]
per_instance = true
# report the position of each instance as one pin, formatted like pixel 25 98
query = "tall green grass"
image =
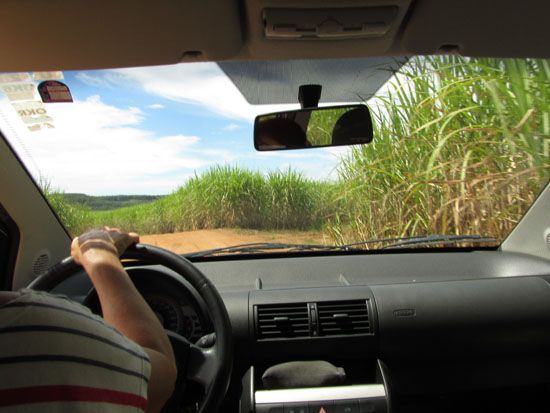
pixel 74 216
pixel 222 197
pixel 461 147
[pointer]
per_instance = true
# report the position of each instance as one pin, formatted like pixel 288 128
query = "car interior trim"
pixel 8 225
pixel 315 394
pixel 30 210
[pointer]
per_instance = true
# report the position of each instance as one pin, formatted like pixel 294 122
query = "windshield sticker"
pixel 38 126
pixel 52 91
pixel 57 75
pixel 14 77
pixel 19 91
pixel 33 113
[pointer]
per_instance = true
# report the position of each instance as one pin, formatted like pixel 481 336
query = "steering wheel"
pixel 210 367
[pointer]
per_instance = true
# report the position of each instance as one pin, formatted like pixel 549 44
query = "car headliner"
pixel 39 35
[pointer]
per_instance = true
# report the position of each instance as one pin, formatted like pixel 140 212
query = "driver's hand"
pixel 107 242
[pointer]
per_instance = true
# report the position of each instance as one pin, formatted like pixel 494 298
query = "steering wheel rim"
pixel 212 366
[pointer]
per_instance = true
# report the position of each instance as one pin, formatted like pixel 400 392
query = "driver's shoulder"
pixel 57 312
pixel 66 345
pixel 44 304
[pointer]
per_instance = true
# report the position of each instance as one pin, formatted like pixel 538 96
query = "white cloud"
pixel 202 84
pixel 231 126
pixel 99 149
pixel 95 81
pixel 155 106
pixel 340 151
pixel 327 154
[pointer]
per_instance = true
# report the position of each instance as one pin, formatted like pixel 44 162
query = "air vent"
pixel 343 317
pixel 282 320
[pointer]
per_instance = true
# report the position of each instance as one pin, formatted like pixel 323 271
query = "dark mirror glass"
pixel 313 128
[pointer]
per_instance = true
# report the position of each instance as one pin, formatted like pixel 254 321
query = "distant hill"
pixel 106 203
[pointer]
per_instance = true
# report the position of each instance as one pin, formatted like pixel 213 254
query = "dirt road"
pixel 189 241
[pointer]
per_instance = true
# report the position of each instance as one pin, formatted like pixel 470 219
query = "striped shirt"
pixel 56 356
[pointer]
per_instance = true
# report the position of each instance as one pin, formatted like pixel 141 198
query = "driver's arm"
pixel 124 308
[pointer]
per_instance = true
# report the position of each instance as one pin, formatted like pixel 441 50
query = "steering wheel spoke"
pixel 198 364
pixel 201 365
pixel 181 348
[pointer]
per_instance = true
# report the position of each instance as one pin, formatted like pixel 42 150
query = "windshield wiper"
pixel 400 242
pixel 405 242
pixel 259 247
pixel 441 239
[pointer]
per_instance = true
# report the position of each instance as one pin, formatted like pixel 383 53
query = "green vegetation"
pixel 321 124
pixel 220 198
pixel 74 216
pixel 461 147
pixel 105 203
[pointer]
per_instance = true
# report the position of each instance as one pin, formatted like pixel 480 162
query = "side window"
pixel 9 242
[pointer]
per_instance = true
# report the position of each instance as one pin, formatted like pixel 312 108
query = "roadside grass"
pixel 74 216
pixel 461 146
pixel 108 202
pixel 222 197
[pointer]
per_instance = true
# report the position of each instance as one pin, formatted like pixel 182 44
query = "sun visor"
pixel 504 28
pixel 343 80
pixel 83 34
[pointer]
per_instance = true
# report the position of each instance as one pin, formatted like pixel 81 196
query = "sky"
pixel 147 130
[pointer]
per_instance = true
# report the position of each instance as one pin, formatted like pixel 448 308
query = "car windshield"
pixel 460 152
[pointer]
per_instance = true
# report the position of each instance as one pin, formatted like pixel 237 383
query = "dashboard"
pixel 436 331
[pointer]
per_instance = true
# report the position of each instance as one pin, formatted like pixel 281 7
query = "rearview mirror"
pixel 313 128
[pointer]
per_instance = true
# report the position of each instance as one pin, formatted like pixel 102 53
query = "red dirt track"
pixel 189 241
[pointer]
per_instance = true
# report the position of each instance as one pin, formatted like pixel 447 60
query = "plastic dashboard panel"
pixel 445 319
pixel 240 276
pixel 369 269
pixel 462 336
pixel 457 319
pixel 486 301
